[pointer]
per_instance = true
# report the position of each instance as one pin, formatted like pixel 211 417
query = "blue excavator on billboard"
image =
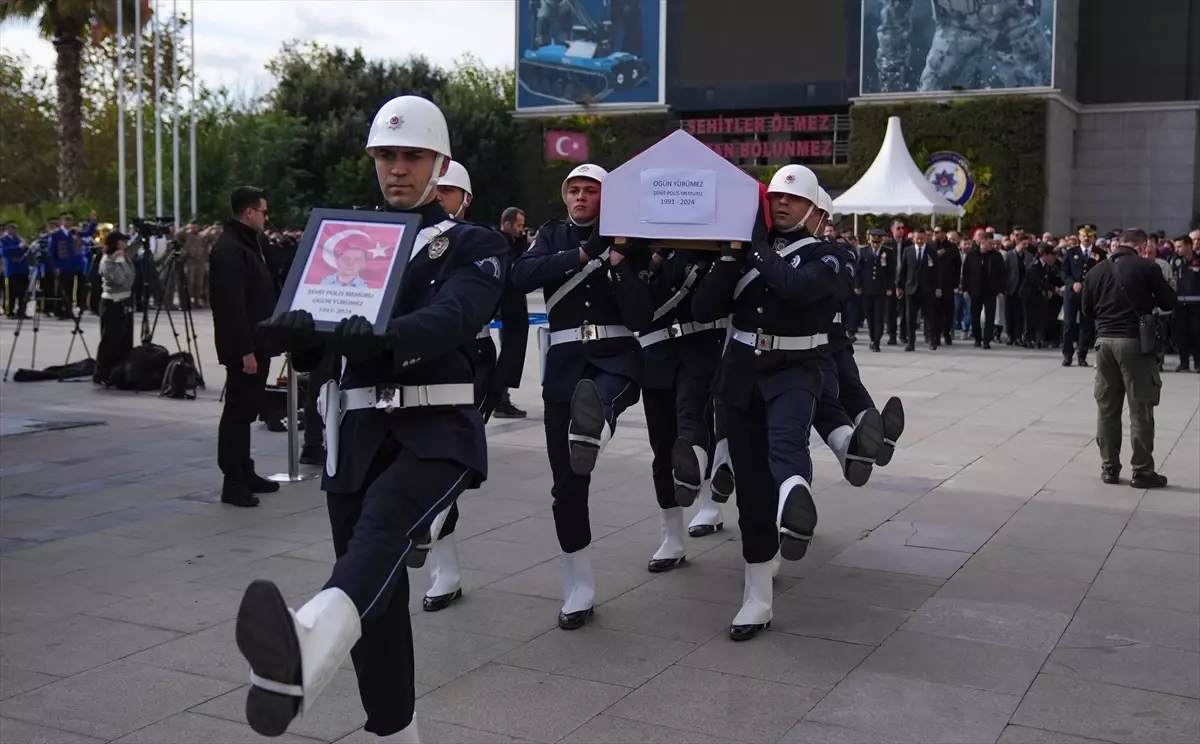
pixel 585 53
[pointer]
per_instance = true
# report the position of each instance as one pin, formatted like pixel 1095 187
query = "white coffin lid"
pixel 737 194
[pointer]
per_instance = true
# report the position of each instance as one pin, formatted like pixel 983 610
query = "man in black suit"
pixel 876 281
pixel 949 266
pixel 921 288
pixel 895 307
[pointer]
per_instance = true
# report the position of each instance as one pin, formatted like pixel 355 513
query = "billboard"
pixel 576 55
pixel 918 46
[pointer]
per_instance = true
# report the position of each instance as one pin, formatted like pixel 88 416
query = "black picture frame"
pixel 300 263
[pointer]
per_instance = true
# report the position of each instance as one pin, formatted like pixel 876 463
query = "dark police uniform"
pixel 398 467
pixel 876 278
pixel 1076 263
pixel 591 345
pixel 949 264
pixel 62 265
pixel 1186 321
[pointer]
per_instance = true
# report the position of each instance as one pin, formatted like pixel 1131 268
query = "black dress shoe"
pixel 987 346
pixel 258 484
pixel 704 530
pixel 312 455
pixel 891 342
pixel 1083 362
pixel 506 410
pixel 574 620
pixel 662 565
pixel 1066 362
pixel 1111 476
pixel 746 632
pixel 235 493
pixel 440 602
pixel 910 347
pixel 1148 479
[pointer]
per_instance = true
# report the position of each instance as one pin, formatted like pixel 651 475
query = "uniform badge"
pixel 789 179
pixel 780 243
pixel 795 262
pixel 883 259
pixel 490 266
pixel 395 122
pixel 832 262
pixel 438 246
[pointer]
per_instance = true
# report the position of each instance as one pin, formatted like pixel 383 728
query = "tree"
pixel 68 25
pixel 27 157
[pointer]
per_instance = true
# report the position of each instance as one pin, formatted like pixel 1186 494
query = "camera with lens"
pixel 152 227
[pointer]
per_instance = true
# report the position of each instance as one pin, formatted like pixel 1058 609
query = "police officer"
pixel 404 440
pixel 16 271
pixel 681 358
pixel 1077 261
pixel 781 293
pixel 1185 273
pixel 875 282
pixel 591 361
pixel 1035 295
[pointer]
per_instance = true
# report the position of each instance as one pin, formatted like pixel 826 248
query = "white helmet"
pixel 825 203
pixel 796 180
pixel 412 121
pixel 456 175
pixel 587 170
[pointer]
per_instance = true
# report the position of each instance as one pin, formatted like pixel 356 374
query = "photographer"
pixel 116 306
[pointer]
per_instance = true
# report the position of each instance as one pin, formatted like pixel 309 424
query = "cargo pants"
pixel 1123 373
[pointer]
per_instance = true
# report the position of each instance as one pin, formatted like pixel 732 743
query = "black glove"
pixel 294 330
pixel 760 234
pixel 355 339
pixel 596 243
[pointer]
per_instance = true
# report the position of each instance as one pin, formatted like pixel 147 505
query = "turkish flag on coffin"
pixel 564 145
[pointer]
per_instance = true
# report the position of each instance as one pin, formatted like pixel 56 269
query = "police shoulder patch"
pixel 490 266
pixel 832 262
pixel 795 262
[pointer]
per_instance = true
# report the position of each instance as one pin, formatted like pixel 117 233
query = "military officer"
pixel 591 361
pixel 681 358
pixel 781 292
pixel 1185 280
pixel 875 281
pixel 1076 262
pixel 411 439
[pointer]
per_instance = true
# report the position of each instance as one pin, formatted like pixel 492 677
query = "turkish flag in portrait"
pixel 564 145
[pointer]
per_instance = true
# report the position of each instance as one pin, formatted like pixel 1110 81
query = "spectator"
pixel 512 308
pixel 116 306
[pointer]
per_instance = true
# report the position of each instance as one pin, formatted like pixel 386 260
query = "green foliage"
pixel 1002 138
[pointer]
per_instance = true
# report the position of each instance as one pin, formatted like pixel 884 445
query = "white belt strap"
pixel 767 342
pixel 427 234
pixel 588 332
pixel 485 333
pixel 576 280
pixel 752 274
pixel 391 397
pixel 672 303
pixel 679 329
pixel 837 318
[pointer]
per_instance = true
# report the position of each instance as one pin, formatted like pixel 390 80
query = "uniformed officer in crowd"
pixel 1036 293
pixel 895 303
pixel 64 245
pixel 16 271
pixel 591 361
pixel 875 282
pixel 681 357
pixel 1185 330
pixel 405 439
pixel 1077 328
pixel 195 265
pixel 780 293
pixel 1119 293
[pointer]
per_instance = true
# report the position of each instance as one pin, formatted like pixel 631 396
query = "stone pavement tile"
pixel 965 510
pixel 1176 541
pixel 193 728
pixel 113 700
pixel 708 583
pixel 1032 562
pixel 135 576
pixel 835 620
pixel 443 655
pixel 78 643
pixel 212 652
pixel 1099 624
pixel 953 661
pixel 1148 591
pixel 336 713
pixel 878 588
pixel 1153 668
pixel 633 562
pixel 82 551
pixel 503 557
pixel 519 702
pixel 600 655
pixel 1158 563
pixel 906 709
pixel 1039 593
pixel 933 535
pixel 716 704
pixel 32 606
pixel 1147 519
pixel 436 732
pixel 1116 498
pixel 221 551
pixel 606 729
pixel 989 622
pixel 811 732
pixel 537 531
pixel 1172 501
pixel 1057 538
pixel 780 657
pixel 8 546
pixel 664 616
pixel 14 681
pixel 15 572
pixel 1025 735
pixel 306 527
pixel 185 607
pixel 291 575
pixel 19 732
pixel 498 614
pixel 880 554
pixel 1071 515
pixel 1108 712
pixel 321 552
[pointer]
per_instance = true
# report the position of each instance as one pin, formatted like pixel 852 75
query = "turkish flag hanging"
pixel 564 145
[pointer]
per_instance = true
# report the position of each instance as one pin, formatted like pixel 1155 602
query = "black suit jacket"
pixel 243 291
pixel 919 277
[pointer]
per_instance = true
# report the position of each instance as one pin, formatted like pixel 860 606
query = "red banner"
pixel 565 145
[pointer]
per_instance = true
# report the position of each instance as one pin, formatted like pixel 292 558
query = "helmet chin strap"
pixel 800 224
pixel 433 181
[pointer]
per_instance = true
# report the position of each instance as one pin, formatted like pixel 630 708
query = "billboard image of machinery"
pixel 594 54
pixel 939 45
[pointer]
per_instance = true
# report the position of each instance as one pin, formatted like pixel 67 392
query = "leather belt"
pixel 485 333
pixel 765 342
pixel 679 329
pixel 393 397
pixel 588 332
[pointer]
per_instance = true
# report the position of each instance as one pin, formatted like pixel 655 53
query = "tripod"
pixel 173 272
pixel 31 301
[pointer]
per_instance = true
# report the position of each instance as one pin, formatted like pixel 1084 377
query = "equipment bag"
pixel 141 369
pixel 180 379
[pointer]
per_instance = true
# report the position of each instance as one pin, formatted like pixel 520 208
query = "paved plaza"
pixel 984 587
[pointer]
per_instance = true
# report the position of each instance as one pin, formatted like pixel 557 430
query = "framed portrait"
pixel 348 263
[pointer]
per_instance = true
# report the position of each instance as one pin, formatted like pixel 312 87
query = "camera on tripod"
pixel 153 227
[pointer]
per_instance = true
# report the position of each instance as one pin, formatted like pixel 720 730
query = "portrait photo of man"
pixel 351 251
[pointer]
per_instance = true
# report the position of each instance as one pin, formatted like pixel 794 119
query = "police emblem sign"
pixel 950 176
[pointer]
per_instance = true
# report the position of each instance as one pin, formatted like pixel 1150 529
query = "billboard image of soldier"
pixel 935 45
pixel 573 54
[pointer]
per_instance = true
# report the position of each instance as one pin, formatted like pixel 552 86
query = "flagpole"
pixel 140 100
pixel 192 128
pixel 175 108
pixel 121 216
pixel 158 164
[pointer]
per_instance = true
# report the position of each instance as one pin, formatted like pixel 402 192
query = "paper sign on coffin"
pixel 679 189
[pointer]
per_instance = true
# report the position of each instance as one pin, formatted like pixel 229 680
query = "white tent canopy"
pixel 894 184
